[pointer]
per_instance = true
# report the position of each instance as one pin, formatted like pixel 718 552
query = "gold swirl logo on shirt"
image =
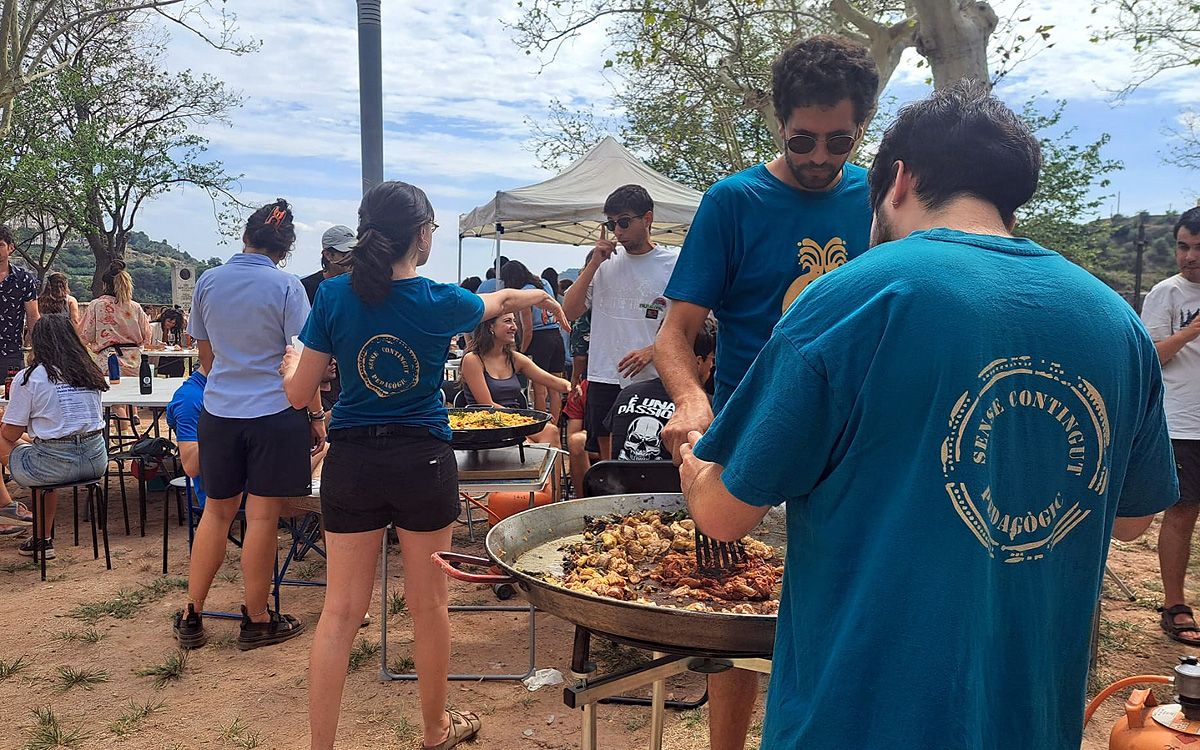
pixel 388 366
pixel 1027 400
pixel 814 261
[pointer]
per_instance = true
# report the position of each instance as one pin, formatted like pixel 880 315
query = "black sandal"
pixel 1173 629
pixel 277 629
pixel 463 728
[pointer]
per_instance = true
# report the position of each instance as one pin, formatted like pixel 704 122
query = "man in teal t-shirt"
pixel 758 239
pixel 957 422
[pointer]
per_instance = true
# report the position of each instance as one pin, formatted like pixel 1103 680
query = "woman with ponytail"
pixel 114 323
pixel 541 337
pixel 389 457
pixel 56 298
pixel 244 313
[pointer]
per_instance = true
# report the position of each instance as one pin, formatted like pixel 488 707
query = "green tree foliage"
pixel 1058 216
pixel 122 131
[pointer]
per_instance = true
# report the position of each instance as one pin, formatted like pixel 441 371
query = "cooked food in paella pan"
pixel 486 420
pixel 649 558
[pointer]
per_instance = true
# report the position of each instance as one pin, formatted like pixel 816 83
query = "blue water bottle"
pixel 114 369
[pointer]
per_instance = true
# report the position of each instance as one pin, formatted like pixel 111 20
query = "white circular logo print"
pixel 388 366
pixel 1034 403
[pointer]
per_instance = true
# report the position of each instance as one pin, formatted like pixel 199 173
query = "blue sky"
pixel 458 95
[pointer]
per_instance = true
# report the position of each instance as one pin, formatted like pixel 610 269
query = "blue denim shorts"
pixel 59 461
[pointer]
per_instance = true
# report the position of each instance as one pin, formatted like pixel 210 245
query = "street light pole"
pixel 370 92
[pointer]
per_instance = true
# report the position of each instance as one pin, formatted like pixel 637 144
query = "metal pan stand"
pixel 386 674
pixel 590 690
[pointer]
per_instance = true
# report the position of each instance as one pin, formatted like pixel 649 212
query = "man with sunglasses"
pixel 758 239
pixel 337 246
pixel 625 294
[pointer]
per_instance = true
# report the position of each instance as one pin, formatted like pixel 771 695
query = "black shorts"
pixel 547 351
pixel 14 363
pixel 408 478
pixel 265 456
pixel 600 400
pixel 1187 466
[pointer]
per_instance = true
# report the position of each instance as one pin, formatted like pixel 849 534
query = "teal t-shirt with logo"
pixel 391 356
pixel 954 421
pixel 754 245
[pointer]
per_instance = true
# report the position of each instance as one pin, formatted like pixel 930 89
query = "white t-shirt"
pixel 628 306
pixel 1170 306
pixel 52 410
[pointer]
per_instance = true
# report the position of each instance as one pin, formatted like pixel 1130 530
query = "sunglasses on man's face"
pixel 835 144
pixel 623 222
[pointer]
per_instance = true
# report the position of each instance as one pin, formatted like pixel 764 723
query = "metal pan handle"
pixel 446 561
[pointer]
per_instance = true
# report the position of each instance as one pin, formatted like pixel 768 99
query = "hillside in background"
pixel 149 263
pixel 1116 251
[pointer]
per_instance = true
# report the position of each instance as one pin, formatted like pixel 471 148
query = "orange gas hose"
pixel 1107 692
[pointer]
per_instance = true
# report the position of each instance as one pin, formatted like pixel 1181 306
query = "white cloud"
pixel 458 93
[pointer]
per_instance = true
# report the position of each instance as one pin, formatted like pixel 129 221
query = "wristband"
pixel 316 416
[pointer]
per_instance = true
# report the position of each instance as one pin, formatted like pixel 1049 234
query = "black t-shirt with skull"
pixel 636 421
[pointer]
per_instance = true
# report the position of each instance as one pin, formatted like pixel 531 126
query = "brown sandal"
pixel 463 727
pixel 1173 629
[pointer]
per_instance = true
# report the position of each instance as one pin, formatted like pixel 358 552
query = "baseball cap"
pixel 339 238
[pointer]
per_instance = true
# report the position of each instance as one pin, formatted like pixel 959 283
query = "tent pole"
pixel 460 276
pixel 499 231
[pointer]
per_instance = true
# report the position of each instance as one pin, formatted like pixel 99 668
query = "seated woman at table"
pixel 56 402
pixel 390 459
pixel 493 350
pixel 168 331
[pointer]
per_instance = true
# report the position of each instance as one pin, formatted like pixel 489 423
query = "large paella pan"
pixel 527 546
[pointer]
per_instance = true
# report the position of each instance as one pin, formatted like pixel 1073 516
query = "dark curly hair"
pixel 271 231
pixel 1189 220
pixel 822 71
pixel 982 148
pixel 631 198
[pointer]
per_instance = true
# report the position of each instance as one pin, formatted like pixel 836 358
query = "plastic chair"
pixel 629 477
pixel 97 504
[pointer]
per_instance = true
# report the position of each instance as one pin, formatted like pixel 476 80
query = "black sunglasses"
pixel 835 144
pixel 622 222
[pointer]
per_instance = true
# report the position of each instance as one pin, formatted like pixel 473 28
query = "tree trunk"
pixel 953 36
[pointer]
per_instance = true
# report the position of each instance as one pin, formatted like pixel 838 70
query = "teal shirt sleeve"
pixel 316 334
pixel 465 310
pixel 775 449
pixel 702 271
pixel 1151 482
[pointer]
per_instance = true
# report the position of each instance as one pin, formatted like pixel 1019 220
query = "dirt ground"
pixel 74 645
pixel 72 648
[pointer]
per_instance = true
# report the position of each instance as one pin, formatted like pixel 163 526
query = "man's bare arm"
pixel 716 511
pixel 675 360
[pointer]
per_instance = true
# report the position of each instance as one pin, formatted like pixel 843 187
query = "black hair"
pixel 483 338
pixel 270 228
pixel 706 339
pixel 631 198
pixel 982 148
pixel 491 273
pixel 822 71
pixel 551 276
pixel 57 348
pixel 564 285
pixel 515 275
pixel 471 283
pixel 6 235
pixel 390 219
pixel 53 299
pixel 171 314
pixel 1189 220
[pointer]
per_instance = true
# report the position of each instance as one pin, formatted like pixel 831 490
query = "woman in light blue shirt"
pixel 252 441
pixel 389 458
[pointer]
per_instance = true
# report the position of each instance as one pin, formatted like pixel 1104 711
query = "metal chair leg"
pixel 93 510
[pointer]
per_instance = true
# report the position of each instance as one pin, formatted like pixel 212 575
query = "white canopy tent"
pixel 566 209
